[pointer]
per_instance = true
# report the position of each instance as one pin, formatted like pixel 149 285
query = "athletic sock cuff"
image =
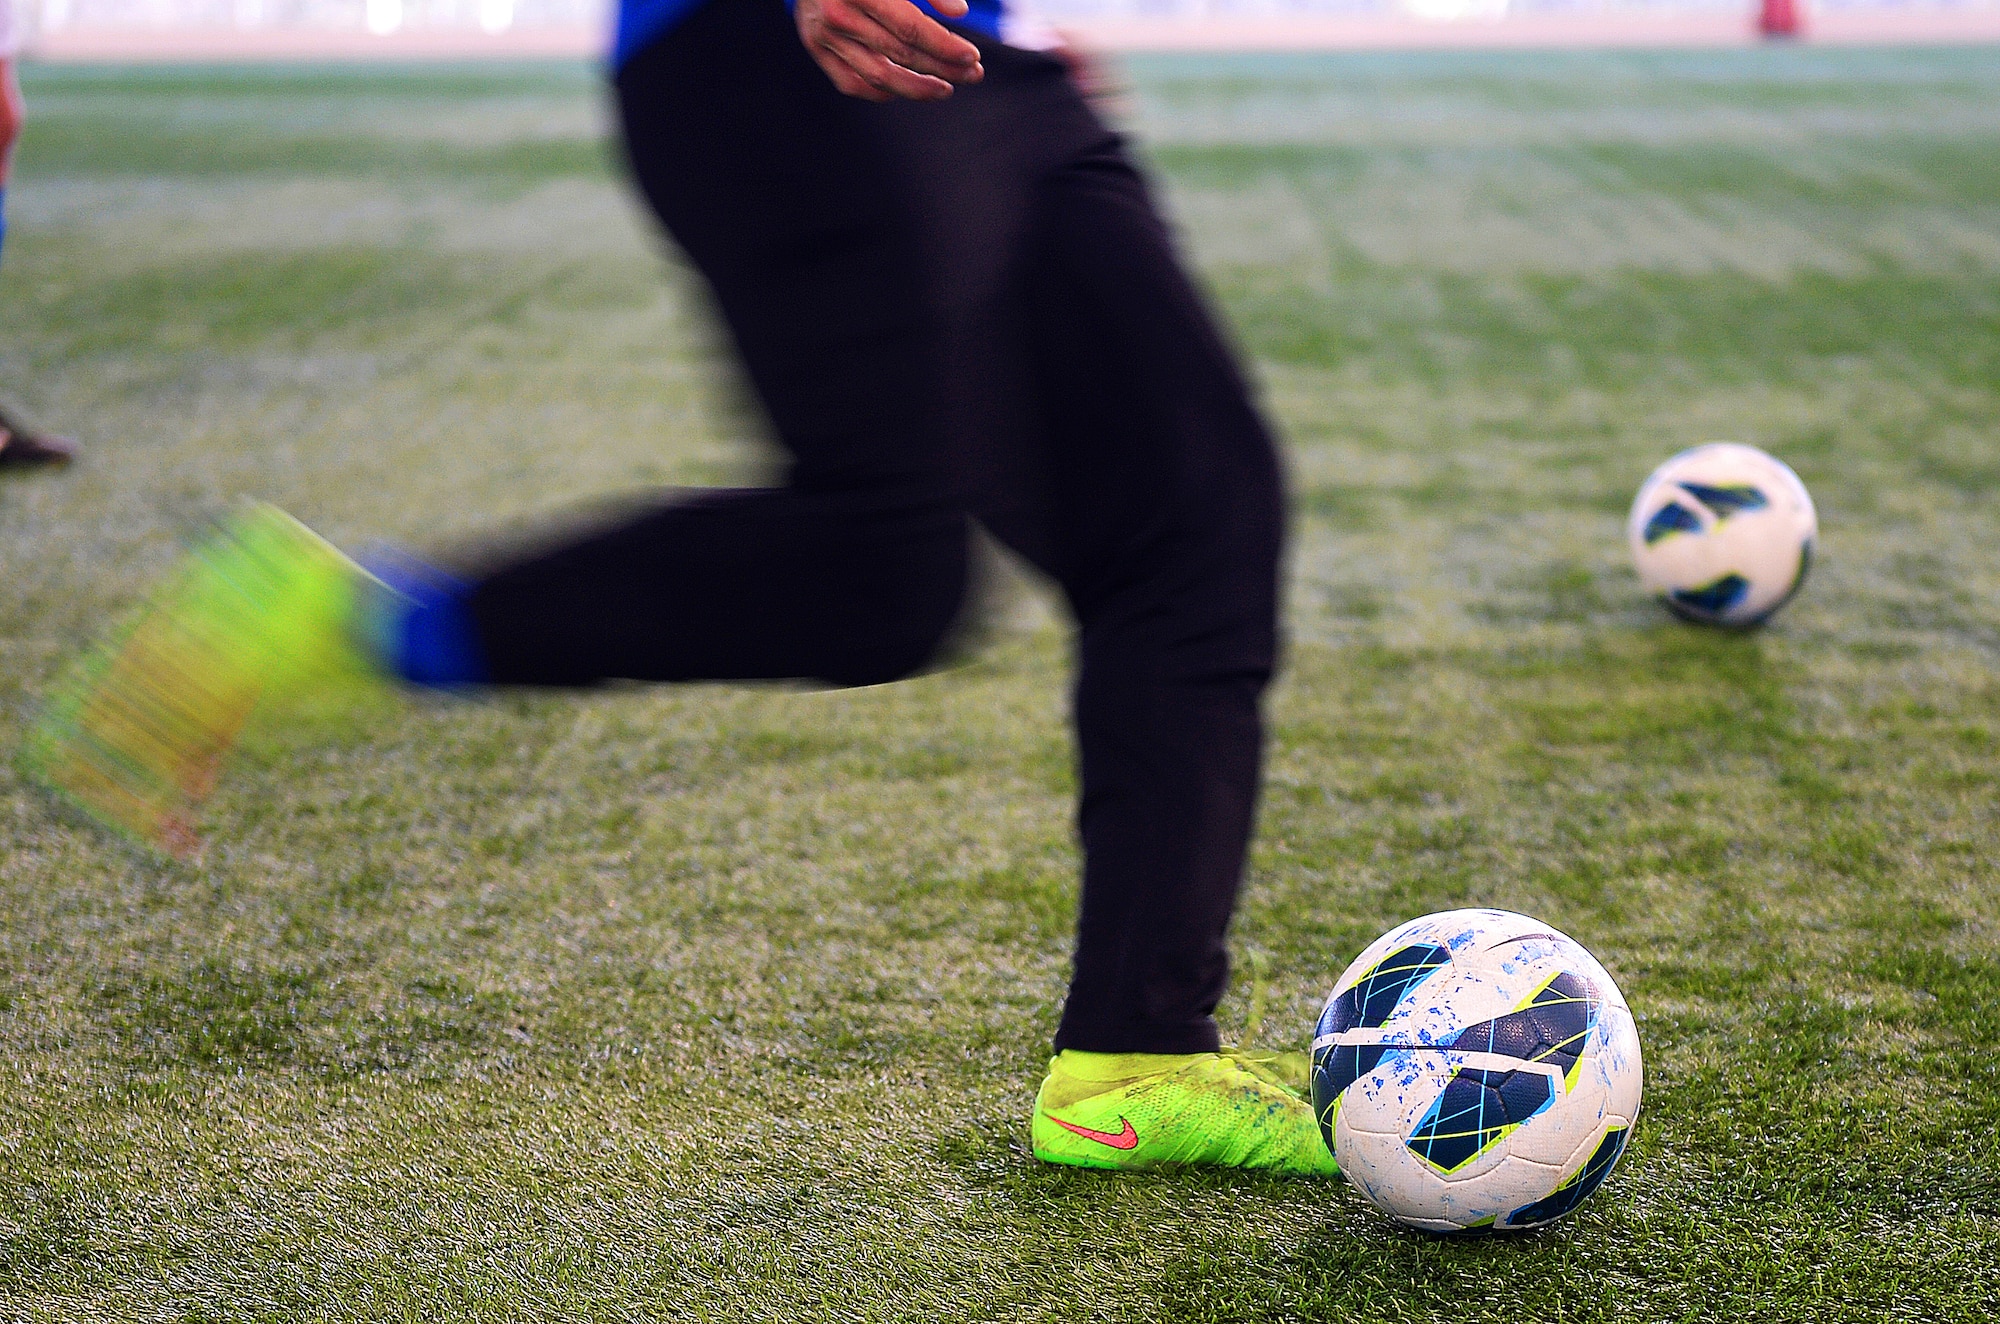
pixel 426 635
pixel 1098 1035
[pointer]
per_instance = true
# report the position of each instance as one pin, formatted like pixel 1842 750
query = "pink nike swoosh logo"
pixel 1126 1139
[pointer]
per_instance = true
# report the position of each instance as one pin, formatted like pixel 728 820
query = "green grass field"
pixel 729 1003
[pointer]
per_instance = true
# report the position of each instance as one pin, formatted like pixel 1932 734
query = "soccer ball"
pixel 1476 1070
pixel 1722 534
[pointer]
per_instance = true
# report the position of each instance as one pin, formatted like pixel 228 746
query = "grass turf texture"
pixel 731 1002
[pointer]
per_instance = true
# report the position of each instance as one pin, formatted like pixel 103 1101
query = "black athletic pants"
pixel 954 310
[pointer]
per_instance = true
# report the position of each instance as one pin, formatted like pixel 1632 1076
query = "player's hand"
pixel 881 49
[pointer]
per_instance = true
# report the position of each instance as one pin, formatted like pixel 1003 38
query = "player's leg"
pixel 1169 515
pixel 1110 439
pixel 851 574
pixel 1152 496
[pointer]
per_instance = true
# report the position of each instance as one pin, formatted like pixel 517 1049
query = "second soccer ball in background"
pixel 1723 534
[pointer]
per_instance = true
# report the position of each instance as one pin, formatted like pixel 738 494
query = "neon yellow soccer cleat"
pixel 136 733
pixel 1142 1110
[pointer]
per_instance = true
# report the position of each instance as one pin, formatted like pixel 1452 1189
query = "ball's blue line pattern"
pixel 1711 599
pixel 1376 994
pixel 1342 1064
pixel 1371 1001
pixel 1725 501
pixel 1477 1107
pixel 1577 1189
pixel 1475 1110
pixel 1670 519
pixel 1550 1027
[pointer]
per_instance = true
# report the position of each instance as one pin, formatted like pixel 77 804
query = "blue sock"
pixel 422 631
pixel 3 217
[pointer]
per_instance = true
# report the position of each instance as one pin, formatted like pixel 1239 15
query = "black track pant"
pixel 957 310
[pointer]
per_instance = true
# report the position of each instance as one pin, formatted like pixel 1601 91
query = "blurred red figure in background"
pixel 1780 18
pixel 18 447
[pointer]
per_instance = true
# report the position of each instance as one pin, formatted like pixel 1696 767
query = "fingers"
pixel 917 41
pixel 861 72
pixel 878 49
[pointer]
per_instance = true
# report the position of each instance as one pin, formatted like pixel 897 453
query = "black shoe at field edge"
pixel 22 449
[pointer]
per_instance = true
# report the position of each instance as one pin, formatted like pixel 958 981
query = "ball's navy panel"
pixel 1475 1109
pixel 1712 599
pixel 1577 1189
pixel 1552 1028
pixel 1342 1065
pixel 1569 986
pixel 1375 995
pixel 1725 501
pixel 1670 519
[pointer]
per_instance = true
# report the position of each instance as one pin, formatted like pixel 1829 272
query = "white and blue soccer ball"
pixel 1723 534
pixel 1476 1069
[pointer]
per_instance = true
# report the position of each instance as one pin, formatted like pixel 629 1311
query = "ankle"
pixel 415 623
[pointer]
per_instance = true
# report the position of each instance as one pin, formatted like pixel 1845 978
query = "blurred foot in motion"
pixel 136 734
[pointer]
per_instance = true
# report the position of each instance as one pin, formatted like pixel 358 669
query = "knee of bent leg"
pixel 912 604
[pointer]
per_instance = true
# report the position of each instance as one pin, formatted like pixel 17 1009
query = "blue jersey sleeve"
pixel 640 21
